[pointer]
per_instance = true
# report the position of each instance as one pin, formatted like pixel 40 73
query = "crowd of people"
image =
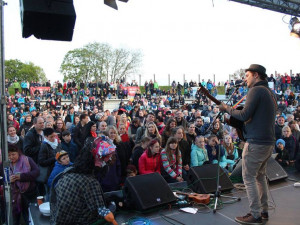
pixel 151 133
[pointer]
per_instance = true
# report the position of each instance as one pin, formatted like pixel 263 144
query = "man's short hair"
pixel 36 119
pixel 83 116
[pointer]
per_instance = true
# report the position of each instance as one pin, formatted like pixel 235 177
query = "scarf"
pixel 13 140
pixel 52 144
pixel 21 166
pixel 94 134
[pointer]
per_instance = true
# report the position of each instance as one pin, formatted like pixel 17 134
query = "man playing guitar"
pixel 258 116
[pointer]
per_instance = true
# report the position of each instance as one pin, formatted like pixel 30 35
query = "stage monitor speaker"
pixel 48 19
pixel 274 170
pixel 203 179
pixel 147 191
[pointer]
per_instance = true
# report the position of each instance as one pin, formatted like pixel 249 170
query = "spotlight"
pixel 112 3
pixel 294 26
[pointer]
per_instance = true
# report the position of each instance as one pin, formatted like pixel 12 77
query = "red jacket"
pixel 149 164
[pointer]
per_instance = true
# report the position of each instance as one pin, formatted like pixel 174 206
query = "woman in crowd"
pixel 23 172
pixel 216 130
pixel 123 120
pixel 49 148
pixel 139 150
pixel 231 152
pixel 75 122
pixel 13 138
pixel 171 123
pixel 123 150
pixel 171 161
pixel 290 143
pixel 60 127
pixel 199 153
pixel 191 134
pixel 152 131
pixel 213 147
pixel 89 133
pixel 123 133
pixel 150 161
pixel 184 148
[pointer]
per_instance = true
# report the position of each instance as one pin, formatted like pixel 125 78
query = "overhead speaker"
pixel 48 19
pixel 147 191
pixel 274 170
pixel 203 179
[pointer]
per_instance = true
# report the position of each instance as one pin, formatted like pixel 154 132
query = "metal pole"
pixel 153 77
pixel 3 133
pixel 275 73
pixel 291 72
pixel 140 81
pixel 169 80
pixel 198 78
pixel 183 78
pixel 214 78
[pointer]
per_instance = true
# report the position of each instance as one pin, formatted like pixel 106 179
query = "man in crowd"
pixel 141 130
pixel 79 130
pixel 34 138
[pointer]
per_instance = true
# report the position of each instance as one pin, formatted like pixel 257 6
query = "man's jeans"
pixel 255 159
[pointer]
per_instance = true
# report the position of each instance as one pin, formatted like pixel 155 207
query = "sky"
pixel 176 37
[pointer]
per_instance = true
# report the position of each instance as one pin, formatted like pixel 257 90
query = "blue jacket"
pixel 58 168
pixel 198 156
pixel 71 148
pixel 214 158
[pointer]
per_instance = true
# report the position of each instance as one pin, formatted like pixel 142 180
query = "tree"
pixel 15 69
pixel 238 74
pixel 99 61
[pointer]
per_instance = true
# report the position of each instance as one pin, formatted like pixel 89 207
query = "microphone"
pixel 240 84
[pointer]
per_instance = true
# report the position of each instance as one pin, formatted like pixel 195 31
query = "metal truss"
pixel 289 7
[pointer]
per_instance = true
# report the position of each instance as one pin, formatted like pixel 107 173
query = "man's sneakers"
pixel 264 215
pixel 248 219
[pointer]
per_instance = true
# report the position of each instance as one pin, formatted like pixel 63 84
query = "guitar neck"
pixel 206 92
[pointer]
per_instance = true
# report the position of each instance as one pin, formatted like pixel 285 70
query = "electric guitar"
pixel 198 198
pixel 237 124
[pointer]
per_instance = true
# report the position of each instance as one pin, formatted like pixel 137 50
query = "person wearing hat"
pixel 87 205
pixel 258 116
pixel 62 162
pixel 283 154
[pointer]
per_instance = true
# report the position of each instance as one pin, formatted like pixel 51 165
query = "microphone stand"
pixel 217 194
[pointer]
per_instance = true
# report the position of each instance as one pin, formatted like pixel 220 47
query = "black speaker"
pixel 147 191
pixel 48 19
pixel 203 179
pixel 274 170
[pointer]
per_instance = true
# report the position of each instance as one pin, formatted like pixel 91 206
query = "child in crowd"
pixel 199 154
pixel 131 171
pixel 283 155
pixel 62 162
pixel 69 146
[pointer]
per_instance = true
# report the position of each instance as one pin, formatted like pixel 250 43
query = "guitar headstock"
pixel 206 93
pixel 203 89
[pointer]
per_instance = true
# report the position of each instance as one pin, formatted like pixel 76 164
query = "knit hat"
pixel 280 141
pixel 60 154
pixel 99 116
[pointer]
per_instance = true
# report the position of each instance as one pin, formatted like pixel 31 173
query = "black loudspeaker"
pixel 48 19
pixel 147 191
pixel 274 170
pixel 203 179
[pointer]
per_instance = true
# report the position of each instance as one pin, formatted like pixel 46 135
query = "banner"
pixel 194 91
pixel 131 90
pixel 41 89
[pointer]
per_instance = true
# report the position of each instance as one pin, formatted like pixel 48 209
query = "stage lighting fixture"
pixel 112 3
pixel 294 26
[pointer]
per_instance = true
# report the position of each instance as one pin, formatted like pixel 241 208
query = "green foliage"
pixel 15 69
pixel 97 61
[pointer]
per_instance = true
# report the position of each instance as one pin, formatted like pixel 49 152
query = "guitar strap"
pixel 273 97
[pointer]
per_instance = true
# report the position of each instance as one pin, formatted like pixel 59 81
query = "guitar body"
pixel 198 198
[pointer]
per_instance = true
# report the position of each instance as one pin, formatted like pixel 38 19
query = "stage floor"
pixel 284 200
